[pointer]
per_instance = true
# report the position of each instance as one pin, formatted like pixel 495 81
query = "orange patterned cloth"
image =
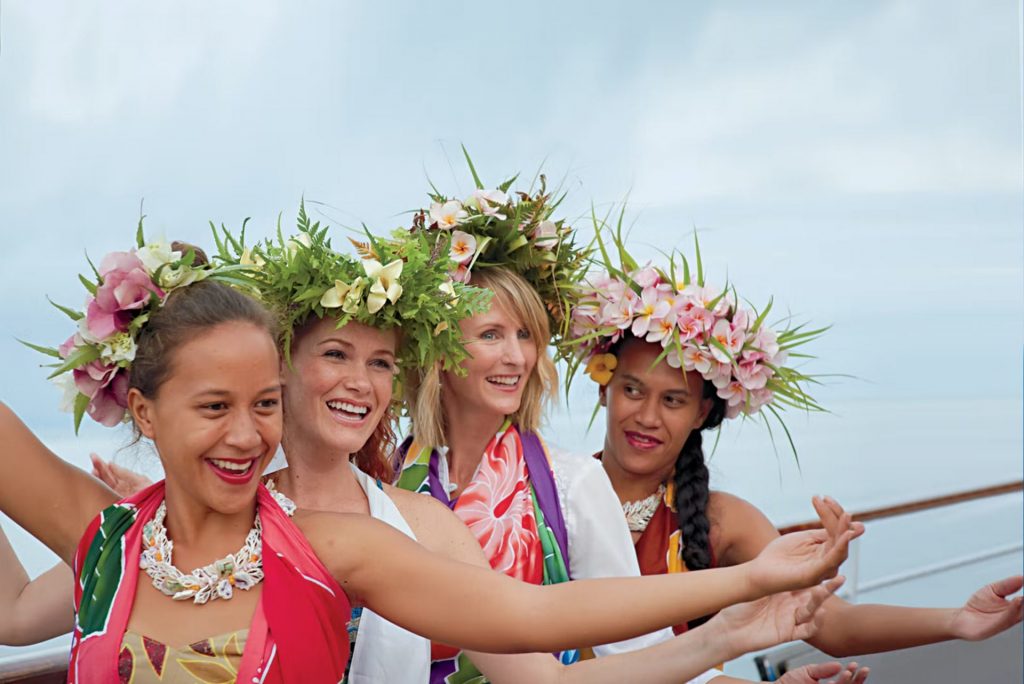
pixel 210 661
pixel 659 548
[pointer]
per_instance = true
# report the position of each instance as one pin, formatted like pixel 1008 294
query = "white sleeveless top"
pixel 385 652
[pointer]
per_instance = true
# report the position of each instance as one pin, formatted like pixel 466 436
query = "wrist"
pixel 715 641
pixel 950 624
pixel 750 585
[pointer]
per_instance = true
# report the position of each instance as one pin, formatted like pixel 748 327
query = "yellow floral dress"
pixel 209 661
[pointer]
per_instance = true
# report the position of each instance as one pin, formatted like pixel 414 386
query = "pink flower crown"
pixel 700 328
pixel 93 364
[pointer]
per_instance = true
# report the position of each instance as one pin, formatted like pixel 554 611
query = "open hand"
pixel 820 672
pixel 988 612
pixel 803 559
pixel 124 482
pixel 775 619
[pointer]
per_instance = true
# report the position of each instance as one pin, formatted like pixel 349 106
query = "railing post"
pixel 853 573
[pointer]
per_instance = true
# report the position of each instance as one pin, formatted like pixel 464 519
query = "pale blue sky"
pixel 860 161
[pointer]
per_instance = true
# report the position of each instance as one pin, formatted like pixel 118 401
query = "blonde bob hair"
pixel 513 294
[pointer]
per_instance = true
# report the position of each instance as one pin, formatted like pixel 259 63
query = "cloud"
pixel 761 107
pixel 90 64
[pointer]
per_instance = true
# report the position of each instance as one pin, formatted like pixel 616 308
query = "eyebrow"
pixel 215 392
pixel 682 391
pixel 349 345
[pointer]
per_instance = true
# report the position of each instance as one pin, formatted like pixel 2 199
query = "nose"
pixel 513 351
pixel 647 414
pixel 357 380
pixel 243 433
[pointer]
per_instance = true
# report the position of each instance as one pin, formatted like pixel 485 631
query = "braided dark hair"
pixel 691 481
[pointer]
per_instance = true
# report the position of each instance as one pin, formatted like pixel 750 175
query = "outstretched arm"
pixel 32 610
pixel 856 629
pixel 737 629
pixel 479 609
pixel 49 497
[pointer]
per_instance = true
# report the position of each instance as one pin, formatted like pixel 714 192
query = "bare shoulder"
pixel 741 528
pixel 726 508
pixel 435 525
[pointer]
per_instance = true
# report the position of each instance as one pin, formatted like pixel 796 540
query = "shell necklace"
pixel 242 570
pixel 639 513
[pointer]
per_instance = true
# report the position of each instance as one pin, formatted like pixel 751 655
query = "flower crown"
pixel 700 328
pixel 93 365
pixel 392 284
pixel 515 231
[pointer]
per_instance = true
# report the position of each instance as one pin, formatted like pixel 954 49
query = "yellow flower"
pixel 448 290
pixel 601 367
pixel 335 296
pixel 248 259
pixel 385 286
pixel 348 297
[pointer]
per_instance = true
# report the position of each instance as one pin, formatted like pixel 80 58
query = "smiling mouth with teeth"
pixel 348 408
pixel 506 380
pixel 233 466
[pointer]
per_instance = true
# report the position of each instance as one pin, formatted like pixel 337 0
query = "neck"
pixel 468 434
pixel 201 534
pixel 319 478
pixel 631 486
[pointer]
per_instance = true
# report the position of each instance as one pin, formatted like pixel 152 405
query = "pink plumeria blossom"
pixel 647 276
pixel 650 309
pixel 696 359
pixel 662 330
pixel 463 247
pixel 731 339
pixel 488 202
pixel 733 393
pixel 752 375
pixel 545 235
pixel 690 326
pixel 619 313
pixel 448 215
pixel 460 274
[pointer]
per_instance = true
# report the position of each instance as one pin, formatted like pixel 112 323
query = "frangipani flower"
pixel 250 259
pixel 646 277
pixel 730 339
pixel 334 297
pixel 385 285
pixel 447 215
pixel 448 291
pixel 488 202
pixel 463 247
pixel 296 242
pixel 546 235
pixel 651 309
pixel 601 367
pixel 347 296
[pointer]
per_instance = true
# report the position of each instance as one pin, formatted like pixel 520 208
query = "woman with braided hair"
pixel 674 358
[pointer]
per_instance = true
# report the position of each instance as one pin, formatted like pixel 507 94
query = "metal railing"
pixel 773 664
pixel 48 666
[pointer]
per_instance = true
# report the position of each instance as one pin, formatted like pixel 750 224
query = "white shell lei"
pixel 242 570
pixel 639 513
